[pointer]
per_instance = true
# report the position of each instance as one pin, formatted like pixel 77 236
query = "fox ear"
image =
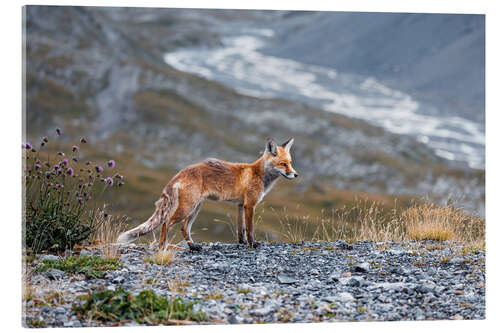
pixel 271 147
pixel 288 144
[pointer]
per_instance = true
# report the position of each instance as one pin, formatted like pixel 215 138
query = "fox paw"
pixel 242 241
pixel 254 244
pixel 195 247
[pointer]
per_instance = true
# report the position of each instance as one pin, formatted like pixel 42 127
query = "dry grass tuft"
pixel 163 257
pixel 178 285
pixel 290 230
pixel 110 227
pixel 432 222
pixel 28 292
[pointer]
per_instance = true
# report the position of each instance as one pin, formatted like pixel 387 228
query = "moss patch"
pixel 90 266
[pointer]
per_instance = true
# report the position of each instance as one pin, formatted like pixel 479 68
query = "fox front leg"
pixel 240 219
pixel 249 210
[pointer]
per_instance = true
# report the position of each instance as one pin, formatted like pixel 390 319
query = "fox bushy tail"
pixel 165 207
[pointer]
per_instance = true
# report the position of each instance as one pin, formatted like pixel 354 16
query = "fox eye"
pixel 283 164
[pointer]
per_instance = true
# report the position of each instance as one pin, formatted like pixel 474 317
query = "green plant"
pixel 152 281
pixel 243 291
pixel 90 266
pixel 59 194
pixel 214 296
pixel 36 323
pixel 146 307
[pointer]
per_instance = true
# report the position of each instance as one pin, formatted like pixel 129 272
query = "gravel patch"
pixel 300 282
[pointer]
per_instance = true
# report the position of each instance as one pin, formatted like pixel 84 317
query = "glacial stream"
pixel 239 64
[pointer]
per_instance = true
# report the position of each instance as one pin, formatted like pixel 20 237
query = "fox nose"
pixel 296 175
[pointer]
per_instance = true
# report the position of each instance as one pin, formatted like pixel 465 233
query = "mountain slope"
pixel 99 72
pixel 437 58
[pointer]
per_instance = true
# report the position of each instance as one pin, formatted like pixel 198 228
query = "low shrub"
pixel 90 266
pixel 146 307
pixel 59 192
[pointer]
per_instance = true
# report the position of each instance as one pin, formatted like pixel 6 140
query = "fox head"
pixel 278 160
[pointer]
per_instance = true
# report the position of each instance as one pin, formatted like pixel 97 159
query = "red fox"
pixel 242 183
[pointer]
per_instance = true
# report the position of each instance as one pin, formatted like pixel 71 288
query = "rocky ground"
pixel 300 282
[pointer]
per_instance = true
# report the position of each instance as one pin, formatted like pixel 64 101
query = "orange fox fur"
pixel 242 183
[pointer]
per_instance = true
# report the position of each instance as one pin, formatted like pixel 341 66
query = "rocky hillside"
pixel 99 72
pixel 438 59
pixel 302 282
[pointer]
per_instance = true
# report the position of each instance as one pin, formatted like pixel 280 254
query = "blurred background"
pixel 384 107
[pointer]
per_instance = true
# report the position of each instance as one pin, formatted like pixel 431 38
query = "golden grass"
pixel 28 292
pixel 178 285
pixel 109 228
pixel 429 221
pixel 290 230
pixel 163 257
pixel 214 296
pixel 372 221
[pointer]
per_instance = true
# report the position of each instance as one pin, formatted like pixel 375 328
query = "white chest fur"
pixel 268 185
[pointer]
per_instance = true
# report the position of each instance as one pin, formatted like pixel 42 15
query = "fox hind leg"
pixel 186 229
pixel 163 236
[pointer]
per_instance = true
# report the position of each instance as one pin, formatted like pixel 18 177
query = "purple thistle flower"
pixel 89 197
pixel 33 150
pixel 111 164
pixel 27 145
pixel 83 140
pixel 80 201
pixel 64 162
pixel 121 183
pixel 75 148
pixel 37 166
pixel 70 172
pixel 99 168
pixel 58 131
pixel 60 153
pixel 118 176
pixel 109 181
